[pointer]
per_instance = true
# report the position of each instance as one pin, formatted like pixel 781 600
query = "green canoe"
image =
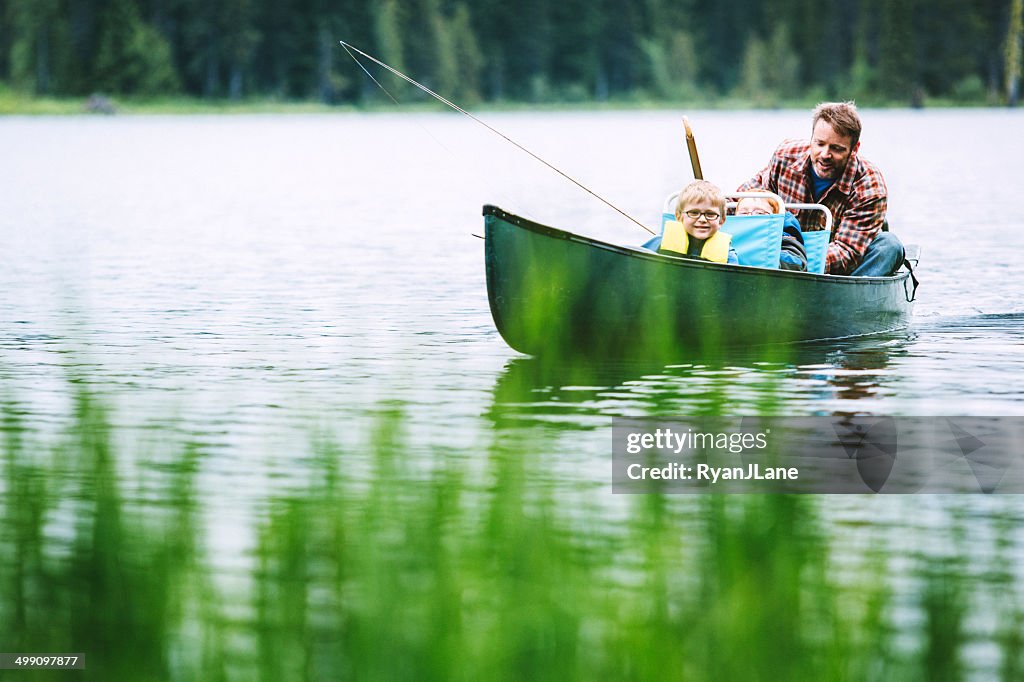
pixel 554 292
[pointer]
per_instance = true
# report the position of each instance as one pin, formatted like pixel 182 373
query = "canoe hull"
pixel 551 291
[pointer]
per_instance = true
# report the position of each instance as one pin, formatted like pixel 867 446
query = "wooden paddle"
pixel 691 145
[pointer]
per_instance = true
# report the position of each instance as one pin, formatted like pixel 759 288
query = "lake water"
pixel 251 285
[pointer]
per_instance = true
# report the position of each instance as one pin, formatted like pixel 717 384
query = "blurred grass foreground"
pixel 470 567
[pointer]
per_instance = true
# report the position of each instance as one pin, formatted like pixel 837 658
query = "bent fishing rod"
pixel 350 48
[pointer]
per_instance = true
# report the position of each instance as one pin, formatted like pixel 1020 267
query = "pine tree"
pixel 387 33
pixel 39 60
pixel 238 19
pixel 897 73
pixel 672 64
pixel 5 42
pixel 468 55
pixel 784 76
pixel 753 73
pixel 133 57
pixel 1013 52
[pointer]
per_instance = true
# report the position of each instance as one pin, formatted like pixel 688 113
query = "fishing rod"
pixel 492 129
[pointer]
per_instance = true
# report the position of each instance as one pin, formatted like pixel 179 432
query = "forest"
pixel 760 51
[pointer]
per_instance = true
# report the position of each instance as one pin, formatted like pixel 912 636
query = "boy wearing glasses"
pixel 695 231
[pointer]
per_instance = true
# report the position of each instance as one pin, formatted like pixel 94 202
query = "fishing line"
pixel 390 96
pixel 492 129
pixel 421 126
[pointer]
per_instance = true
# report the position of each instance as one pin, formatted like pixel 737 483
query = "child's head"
pixel 757 206
pixel 701 209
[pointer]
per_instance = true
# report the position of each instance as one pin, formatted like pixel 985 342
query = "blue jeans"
pixel 883 257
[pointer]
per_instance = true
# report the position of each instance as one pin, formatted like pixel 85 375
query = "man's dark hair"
pixel 843 118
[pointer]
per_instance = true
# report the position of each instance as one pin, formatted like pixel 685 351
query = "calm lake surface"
pixel 253 285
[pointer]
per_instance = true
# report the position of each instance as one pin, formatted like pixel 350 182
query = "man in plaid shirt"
pixel 827 170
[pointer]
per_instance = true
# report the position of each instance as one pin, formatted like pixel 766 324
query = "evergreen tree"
pixel 240 41
pixel 83 43
pixel 526 35
pixel 717 29
pixel 784 76
pixel 489 17
pixel 897 73
pixel 1014 36
pixel 859 82
pixel 387 33
pixel 771 69
pixel 671 65
pixel 622 58
pixel 38 61
pixel 201 61
pixel 754 72
pixel 683 62
pixel 133 57
pixel 468 56
pixel 576 44
pixel 946 50
pixel 5 42
pixel 443 73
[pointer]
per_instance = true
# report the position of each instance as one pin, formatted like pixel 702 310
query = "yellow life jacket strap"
pixel 716 247
pixel 675 239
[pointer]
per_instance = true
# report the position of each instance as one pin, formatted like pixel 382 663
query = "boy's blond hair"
pixel 700 190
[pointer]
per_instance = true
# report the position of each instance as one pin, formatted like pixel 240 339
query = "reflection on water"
pixel 801 379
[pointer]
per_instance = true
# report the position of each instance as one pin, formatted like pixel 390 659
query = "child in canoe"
pixel 695 233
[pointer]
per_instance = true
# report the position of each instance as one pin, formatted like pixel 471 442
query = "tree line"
pixel 530 50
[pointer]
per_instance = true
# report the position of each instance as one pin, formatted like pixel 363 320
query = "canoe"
pixel 555 292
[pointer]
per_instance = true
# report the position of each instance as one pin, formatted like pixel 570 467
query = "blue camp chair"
pixel 816 246
pixel 758 239
pixel 816 242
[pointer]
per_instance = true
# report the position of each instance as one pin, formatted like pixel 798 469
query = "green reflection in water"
pixel 474 565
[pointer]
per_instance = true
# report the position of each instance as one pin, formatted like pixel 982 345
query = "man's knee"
pixel 886 241
pixel 890 250
pixel 884 256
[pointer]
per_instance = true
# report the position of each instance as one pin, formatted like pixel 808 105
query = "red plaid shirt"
pixel 857 200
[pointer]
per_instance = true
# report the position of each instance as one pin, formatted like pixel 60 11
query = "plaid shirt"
pixel 857 200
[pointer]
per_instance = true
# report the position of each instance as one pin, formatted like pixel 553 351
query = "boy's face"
pixel 701 219
pixel 754 207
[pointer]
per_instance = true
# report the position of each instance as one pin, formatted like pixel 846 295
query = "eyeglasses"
pixel 753 211
pixel 710 216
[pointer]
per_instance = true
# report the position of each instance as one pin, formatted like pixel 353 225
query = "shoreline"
pixel 13 103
